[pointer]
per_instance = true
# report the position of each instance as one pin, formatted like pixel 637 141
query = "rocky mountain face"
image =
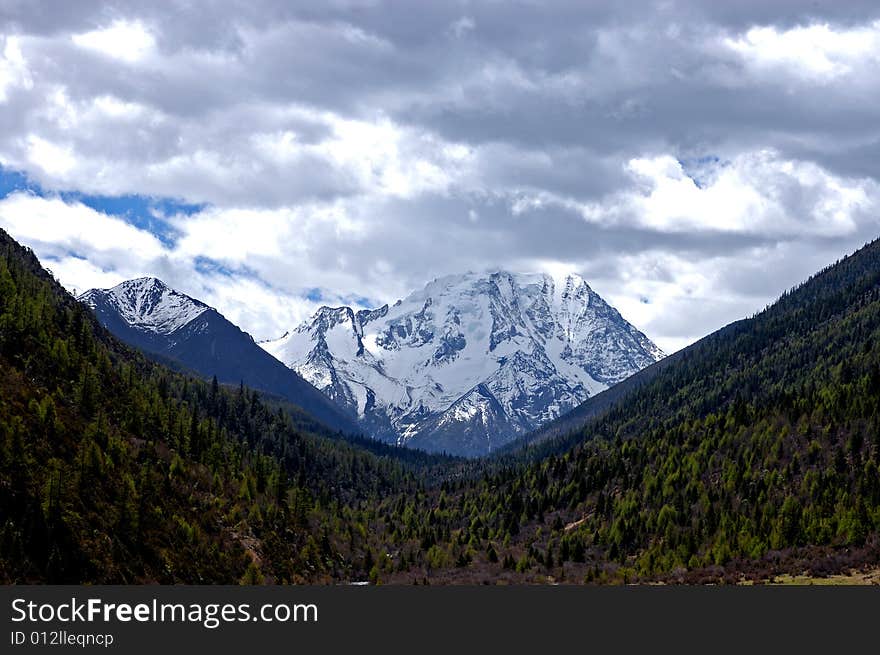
pixel 469 362
pixel 155 318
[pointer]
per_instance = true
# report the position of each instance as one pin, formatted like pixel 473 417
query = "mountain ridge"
pixel 117 470
pixel 753 453
pixel 470 361
pixel 150 315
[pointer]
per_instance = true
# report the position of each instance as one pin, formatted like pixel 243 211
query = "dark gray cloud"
pixel 362 147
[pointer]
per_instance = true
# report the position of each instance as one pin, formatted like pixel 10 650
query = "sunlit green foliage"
pixel 758 449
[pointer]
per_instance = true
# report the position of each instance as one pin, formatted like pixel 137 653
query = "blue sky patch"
pixel 12 181
pixel 144 212
pixel 206 265
pixel 702 170
pixel 362 301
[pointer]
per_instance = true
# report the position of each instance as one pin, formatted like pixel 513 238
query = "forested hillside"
pixel 753 452
pixel 116 469
pixel 204 342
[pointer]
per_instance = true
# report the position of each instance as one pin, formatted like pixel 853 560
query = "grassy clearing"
pixel 868 577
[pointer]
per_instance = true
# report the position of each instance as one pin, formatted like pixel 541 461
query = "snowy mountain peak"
pixel 149 315
pixel 469 361
pixel 148 304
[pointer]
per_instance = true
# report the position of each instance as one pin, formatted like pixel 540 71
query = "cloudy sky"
pixel 691 159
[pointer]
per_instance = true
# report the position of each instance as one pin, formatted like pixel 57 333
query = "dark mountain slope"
pixel 115 469
pixel 755 450
pixel 205 342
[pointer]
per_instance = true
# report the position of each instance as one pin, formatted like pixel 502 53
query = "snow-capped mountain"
pixel 470 361
pixel 148 314
pixel 147 305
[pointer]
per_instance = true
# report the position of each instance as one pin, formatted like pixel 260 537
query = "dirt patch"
pixel 251 546
pixel 572 526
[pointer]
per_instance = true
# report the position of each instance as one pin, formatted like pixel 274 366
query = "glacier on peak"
pixel 149 315
pixel 149 304
pixel 470 361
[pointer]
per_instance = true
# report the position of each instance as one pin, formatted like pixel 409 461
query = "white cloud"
pixel 462 26
pixel 52 159
pixel 13 68
pixel 79 275
pixel 816 50
pixel 755 193
pixel 339 150
pixel 74 226
pixel 671 297
pixel 263 311
pixel 112 107
pixel 84 248
pixel 87 249
pixel 129 41
pixel 237 235
pixel 384 157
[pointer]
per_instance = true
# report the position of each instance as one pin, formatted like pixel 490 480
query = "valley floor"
pixel 866 577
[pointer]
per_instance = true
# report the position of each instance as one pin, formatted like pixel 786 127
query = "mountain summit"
pixel 470 361
pixel 150 315
pixel 147 304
